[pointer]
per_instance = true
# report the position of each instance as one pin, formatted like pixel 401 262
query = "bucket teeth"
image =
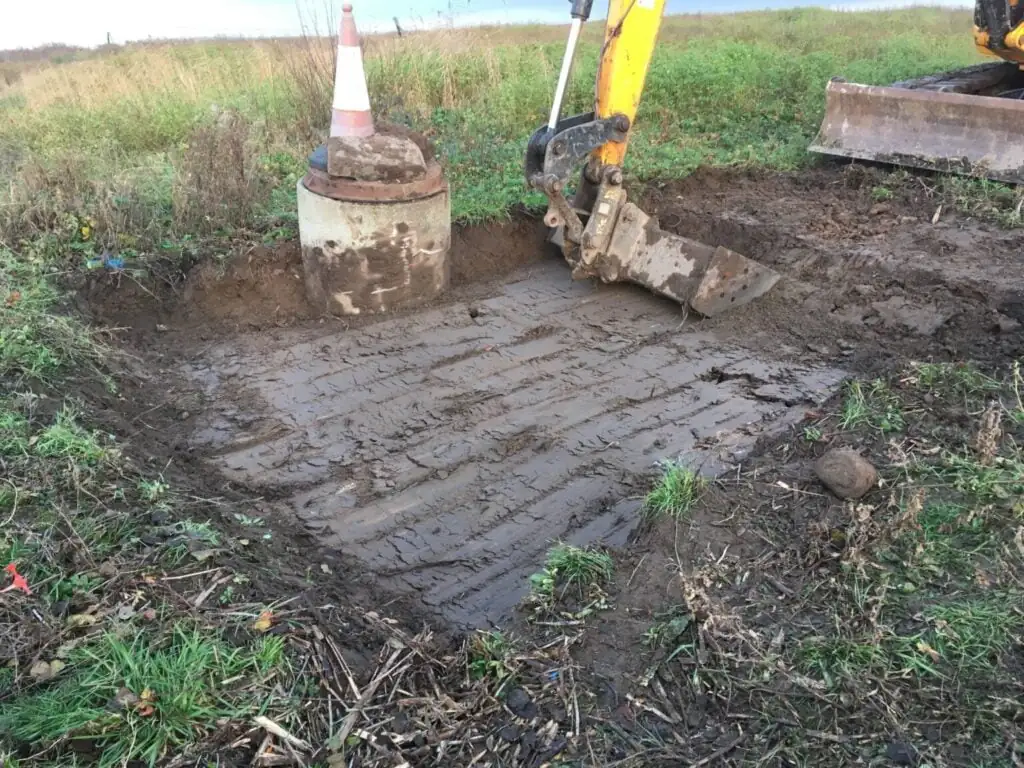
pixel 731 280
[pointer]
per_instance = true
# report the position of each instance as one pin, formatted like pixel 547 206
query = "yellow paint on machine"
pixel 630 36
pixel 1014 42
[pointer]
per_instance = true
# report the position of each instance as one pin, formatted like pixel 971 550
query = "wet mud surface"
pixel 444 449
pixel 448 450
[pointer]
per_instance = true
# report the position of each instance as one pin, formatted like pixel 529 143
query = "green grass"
pixel 176 687
pixel 961 380
pixel 572 568
pixel 871 404
pixel 920 609
pixel 953 538
pixel 836 657
pixel 489 656
pixel 1001 480
pixel 675 493
pixel 37 343
pixel 813 434
pixel 1015 407
pixel 744 90
pixel 65 438
pixel 972 636
pixel 961 637
pixel 73 509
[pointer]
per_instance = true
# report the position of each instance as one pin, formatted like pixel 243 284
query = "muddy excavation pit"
pixel 446 449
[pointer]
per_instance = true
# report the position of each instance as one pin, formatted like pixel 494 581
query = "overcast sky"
pixel 87 22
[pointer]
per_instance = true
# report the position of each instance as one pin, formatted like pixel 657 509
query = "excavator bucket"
pixel 710 280
pixel 969 121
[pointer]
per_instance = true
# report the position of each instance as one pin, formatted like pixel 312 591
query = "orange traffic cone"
pixel 350 109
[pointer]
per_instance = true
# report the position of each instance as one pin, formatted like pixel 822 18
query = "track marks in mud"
pixel 447 451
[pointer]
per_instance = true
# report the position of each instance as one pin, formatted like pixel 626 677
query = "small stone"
pixel 42 671
pixel 123 699
pixel 846 473
pixel 509 733
pixel 901 753
pixel 159 517
pixel 1005 324
pixel 184 415
pixel 520 704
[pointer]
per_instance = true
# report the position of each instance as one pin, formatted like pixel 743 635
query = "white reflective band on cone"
pixel 350 91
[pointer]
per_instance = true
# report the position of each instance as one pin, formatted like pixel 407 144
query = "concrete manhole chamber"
pixel 374 224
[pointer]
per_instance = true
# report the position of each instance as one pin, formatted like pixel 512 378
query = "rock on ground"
pixel 846 473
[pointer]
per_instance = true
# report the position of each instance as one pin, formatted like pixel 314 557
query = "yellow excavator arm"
pixel 600 232
pixel 629 39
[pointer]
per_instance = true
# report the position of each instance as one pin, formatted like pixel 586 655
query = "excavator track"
pixel 1000 79
pixel 968 121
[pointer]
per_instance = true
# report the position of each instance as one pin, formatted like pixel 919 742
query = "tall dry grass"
pixel 724 89
pixel 406 69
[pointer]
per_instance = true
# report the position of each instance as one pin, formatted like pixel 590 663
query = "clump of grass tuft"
pixel 1016 409
pixel 962 379
pixel 985 199
pixel 581 566
pixel 36 343
pixel 572 567
pixel 1000 480
pixel 65 438
pixel 874 405
pixel 137 699
pixel 836 657
pixel 880 194
pixel 489 655
pixel 675 494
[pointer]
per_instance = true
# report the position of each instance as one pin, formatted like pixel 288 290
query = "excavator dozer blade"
pixel 925 126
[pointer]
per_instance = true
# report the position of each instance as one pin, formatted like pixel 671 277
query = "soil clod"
pixel 901 753
pixel 521 705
